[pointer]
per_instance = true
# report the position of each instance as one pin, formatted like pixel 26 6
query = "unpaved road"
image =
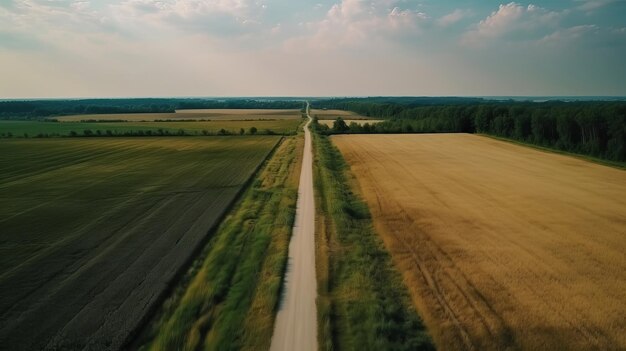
pixel 296 320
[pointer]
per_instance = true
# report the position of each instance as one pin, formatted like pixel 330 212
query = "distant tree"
pixel 354 127
pixel 73 133
pixel 340 125
pixel 253 130
pixel 242 131
pixel 99 132
pixel 205 132
pixel 222 132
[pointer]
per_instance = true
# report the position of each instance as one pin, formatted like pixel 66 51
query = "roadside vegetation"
pixel 362 303
pixel 228 298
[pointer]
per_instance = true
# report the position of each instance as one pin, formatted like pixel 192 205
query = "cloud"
pixel 568 34
pixel 591 5
pixel 510 21
pixel 217 17
pixel 453 17
pixel 352 23
pixel 50 15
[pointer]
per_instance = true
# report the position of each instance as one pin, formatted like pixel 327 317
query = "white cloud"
pixel 453 17
pixel 591 5
pixel 563 36
pixel 510 19
pixel 353 23
pixel 216 17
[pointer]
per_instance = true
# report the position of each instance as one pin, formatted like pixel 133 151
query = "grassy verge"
pixel 614 164
pixel 362 301
pixel 227 299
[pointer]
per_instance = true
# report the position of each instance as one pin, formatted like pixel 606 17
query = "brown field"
pixel 502 246
pixel 333 114
pixel 329 122
pixel 206 114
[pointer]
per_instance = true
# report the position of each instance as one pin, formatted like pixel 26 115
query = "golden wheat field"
pixel 503 247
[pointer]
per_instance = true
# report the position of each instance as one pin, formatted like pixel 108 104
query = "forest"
pixel 34 109
pixel 596 129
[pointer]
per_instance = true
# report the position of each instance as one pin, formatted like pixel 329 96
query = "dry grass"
pixel 329 122
pixel 502 246
pixel 206 114
pixel 333 114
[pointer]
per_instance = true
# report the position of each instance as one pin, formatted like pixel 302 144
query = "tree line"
pixel 596 129
pixel 142 133
pixel 33 109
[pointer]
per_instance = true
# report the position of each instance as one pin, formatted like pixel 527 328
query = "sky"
pixel 138 48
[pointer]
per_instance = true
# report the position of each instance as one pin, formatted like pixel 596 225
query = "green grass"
pixel 362 303
pixel 40 128
pixel 227 300
pixel 95 229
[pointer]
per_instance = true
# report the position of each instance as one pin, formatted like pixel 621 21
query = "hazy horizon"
pixel 279 97
pixel 254 48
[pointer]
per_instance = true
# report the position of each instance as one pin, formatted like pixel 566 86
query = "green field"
pixel 94 230
pixel 229 296
pixel 41 128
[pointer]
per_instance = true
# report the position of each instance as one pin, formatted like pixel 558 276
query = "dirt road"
pixel 296 321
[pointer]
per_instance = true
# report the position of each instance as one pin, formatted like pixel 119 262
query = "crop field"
pixel 329 122
pixel 206 114
pixel 95 229
pixel 502 246
pixel 39 128
pixel 333 114
pixel 227 300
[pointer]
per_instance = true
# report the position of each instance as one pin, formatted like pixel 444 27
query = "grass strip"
pixel 363 303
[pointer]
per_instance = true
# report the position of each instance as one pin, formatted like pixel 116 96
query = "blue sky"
pixel 65 48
